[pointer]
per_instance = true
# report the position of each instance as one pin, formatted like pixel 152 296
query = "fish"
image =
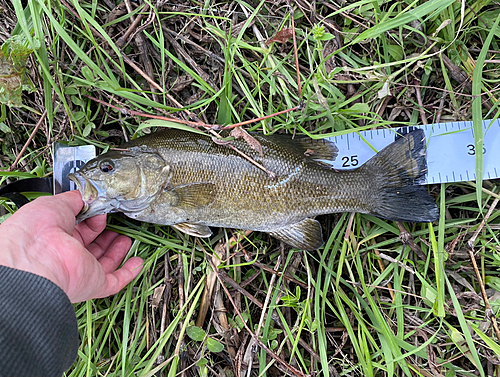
pixel 190 182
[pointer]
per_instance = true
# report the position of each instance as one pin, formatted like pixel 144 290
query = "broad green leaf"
pixel 196 333
pixel 214 345
pixel 396 52
pixel 87 73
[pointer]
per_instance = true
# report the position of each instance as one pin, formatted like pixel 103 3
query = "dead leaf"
pixel 239 132
pixel 157 296
pixel 329 48
pixel 218 141
pixel 281 36
pixel 431 355
pixel 13 56
pixel 309 152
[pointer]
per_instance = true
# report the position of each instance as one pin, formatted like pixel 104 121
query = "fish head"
pixel 120 181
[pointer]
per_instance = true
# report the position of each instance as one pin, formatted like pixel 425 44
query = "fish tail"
pixel 400 168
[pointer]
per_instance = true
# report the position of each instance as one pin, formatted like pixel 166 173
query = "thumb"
pixel 72 199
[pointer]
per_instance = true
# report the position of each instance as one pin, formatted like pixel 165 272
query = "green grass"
pixel 350 311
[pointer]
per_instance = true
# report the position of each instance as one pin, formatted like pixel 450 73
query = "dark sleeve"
pixel 38 329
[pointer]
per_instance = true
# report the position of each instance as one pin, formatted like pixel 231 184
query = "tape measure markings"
pixel 450 149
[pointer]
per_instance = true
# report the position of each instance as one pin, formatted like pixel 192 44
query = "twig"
pixel 293 370
pixel 268 297
pixel 184 54
pixel 151 116
pixel 139 40
pixel 131 63
pixel 279 273
pixel 153 83
pixel 187 122
pixel 455 72
pixel 470 248
pixel 135 23
pixel 299 107
pixel 292 21
pixel 440 108
pixel 25 146
pixel 173 100
pixel 271 174
pixel 224 276
pixel 399 263
pixel 383 105
pixel 253 343
pixel 180 347
pixel 407 239
pixel 188 41
pixel 220 309
pixel 211 277
pixel 349 226
pixel 166 295
pixel 420 103
pixel 147 78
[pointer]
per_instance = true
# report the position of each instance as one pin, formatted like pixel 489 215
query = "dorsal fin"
pixel 313 149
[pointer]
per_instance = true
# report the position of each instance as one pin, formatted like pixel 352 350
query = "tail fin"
pixel 400 168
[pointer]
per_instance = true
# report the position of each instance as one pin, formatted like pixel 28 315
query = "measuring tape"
pixel 451 153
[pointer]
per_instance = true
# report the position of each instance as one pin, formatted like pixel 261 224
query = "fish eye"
pixel 106 166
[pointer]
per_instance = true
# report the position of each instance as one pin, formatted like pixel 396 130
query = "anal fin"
pixel 196 230
pixel 306 234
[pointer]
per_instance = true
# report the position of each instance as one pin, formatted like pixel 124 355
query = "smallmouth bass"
pixel 186 180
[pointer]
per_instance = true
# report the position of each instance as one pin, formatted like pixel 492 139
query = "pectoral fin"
pixel 305 234
pixel 193 195
pixel 196 230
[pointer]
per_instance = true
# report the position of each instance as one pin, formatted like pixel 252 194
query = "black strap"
pixel 13 191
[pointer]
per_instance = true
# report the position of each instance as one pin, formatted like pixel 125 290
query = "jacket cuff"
pixel 38 328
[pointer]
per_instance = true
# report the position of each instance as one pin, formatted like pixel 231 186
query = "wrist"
pixel 8 248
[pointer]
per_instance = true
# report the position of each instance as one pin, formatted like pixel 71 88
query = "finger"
pixel 73 199
pixel 88 230
pixel 114 254
pixel 102 243
pixel 118 279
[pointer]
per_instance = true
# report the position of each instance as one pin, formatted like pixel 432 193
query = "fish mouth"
pixel 88 191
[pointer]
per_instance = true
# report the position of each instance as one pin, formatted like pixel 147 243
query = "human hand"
pixel 42 238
